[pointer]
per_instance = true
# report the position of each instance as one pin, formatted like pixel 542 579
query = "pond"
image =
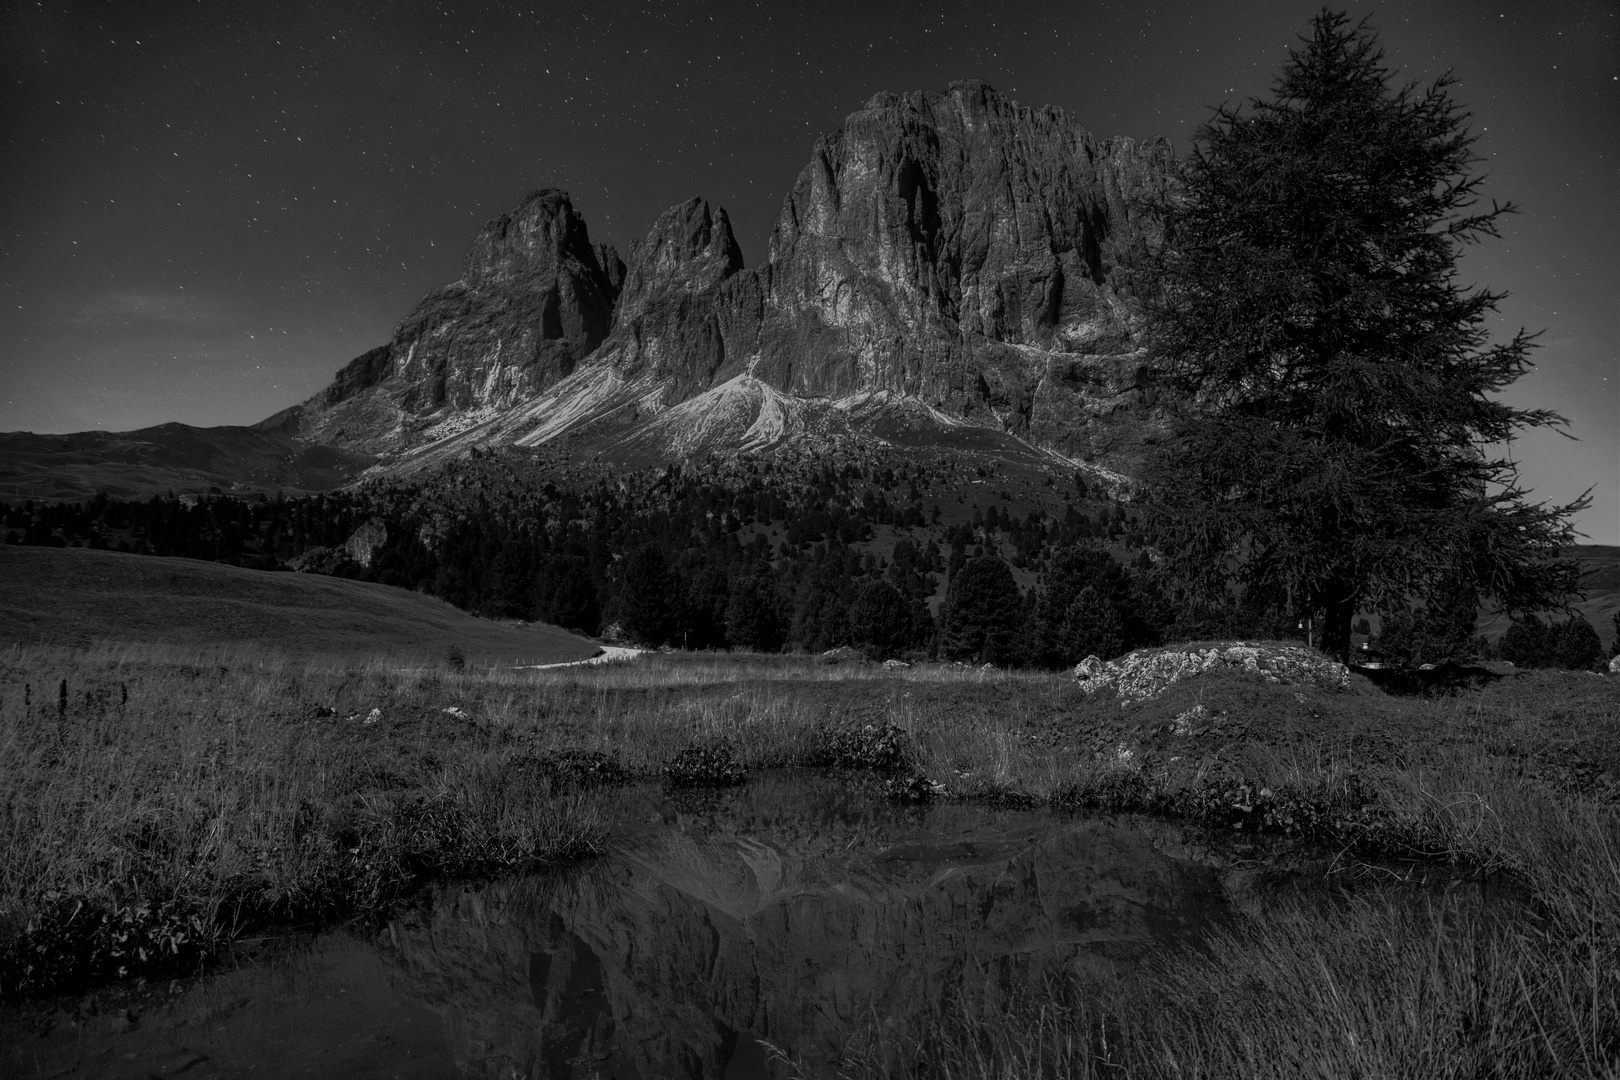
pixel 723 933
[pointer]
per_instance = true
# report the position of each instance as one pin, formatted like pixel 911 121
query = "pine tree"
pixel 1339 445
pixel 752 618
pixel 648 596
pixel 881 620
pixel 982 613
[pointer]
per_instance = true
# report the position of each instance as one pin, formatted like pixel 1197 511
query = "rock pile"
pixel 1147 673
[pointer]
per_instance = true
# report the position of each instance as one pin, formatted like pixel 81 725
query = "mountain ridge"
pixel 946 260
pixel 944 270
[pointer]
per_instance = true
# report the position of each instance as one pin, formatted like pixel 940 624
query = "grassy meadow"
pixel 77 596
pixel 160 800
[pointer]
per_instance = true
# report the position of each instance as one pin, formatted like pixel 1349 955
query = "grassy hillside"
pixel 169 457
pixel 1600 581
pixel 73 596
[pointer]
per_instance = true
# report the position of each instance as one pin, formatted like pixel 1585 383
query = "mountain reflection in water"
pixel 797 911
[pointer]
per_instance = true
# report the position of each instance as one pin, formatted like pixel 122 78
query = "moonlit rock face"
pixel 533 300
pixel 947 258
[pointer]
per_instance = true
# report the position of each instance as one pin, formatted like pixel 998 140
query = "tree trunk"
pixel 1341 612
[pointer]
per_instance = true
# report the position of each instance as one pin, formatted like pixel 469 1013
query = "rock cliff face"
pixel 946 261
pixel 951 247
pixel 535 297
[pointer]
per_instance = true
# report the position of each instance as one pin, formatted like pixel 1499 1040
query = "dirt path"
pixel 610 654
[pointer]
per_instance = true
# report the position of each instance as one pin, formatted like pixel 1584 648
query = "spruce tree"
pixel 648 596
pixel 1340 442
pixel 881 620
pixel 982 612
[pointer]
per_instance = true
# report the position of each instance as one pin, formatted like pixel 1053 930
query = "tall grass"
pixel 1380 984
pixel 171 797
pixel 1373 989
pixel 1375 986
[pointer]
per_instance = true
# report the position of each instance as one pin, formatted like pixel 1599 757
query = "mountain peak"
pixel 945 260
pixel 690 247
pixel 535 238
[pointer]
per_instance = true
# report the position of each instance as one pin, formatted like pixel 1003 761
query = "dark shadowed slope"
pixel 76 596
pixel 169 457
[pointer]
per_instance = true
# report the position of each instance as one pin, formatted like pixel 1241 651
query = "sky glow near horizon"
pixel 208 209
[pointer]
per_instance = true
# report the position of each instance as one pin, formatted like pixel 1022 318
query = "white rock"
pixel 1183 723
pixel 1147 673
pixel 1091 675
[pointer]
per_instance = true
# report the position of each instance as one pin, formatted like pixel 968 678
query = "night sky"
pixel 207 208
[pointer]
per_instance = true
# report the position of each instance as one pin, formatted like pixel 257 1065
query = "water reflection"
pixel 791 912
pixel 328 1007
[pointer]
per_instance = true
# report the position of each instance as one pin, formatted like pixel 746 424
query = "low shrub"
pixel 710 764
pixel 882 747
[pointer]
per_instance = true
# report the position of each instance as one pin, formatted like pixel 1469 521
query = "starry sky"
pixel 207 208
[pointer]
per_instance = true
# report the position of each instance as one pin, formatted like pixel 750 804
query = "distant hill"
pixel 169 457
pixel 1600 581
pixel 74 596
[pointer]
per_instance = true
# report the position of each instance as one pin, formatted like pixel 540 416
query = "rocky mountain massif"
pixel 942 273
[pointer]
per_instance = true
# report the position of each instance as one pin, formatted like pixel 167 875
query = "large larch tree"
pixel 1342 442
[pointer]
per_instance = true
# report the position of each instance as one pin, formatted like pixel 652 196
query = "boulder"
pixel 363 543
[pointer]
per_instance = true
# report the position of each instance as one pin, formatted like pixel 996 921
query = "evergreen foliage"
pixel 1090 605
pixel 982 614
pixel 1440 632
pixel 758 554
pixel 753 620
pixel 648 599
pixel 881 621
pixel 1571 644
pixel 1339 446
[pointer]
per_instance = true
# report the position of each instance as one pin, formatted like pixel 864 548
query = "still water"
pixel 723 932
